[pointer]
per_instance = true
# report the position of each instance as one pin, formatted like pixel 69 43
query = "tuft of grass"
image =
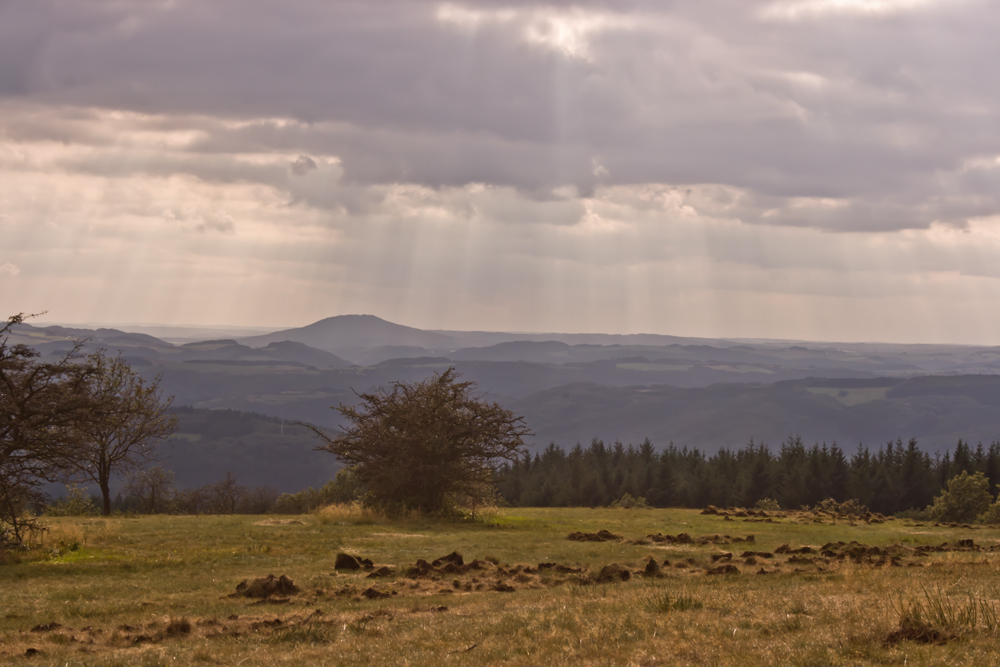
pixel 346 514
pixel 937 609
pixel 309 633
pixel 663 602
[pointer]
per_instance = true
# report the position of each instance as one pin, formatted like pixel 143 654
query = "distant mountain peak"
pixel 346 334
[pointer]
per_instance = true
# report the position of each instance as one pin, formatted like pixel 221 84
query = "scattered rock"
pixel 652 568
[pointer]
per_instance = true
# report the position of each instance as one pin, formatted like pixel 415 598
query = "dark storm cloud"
pixel 880 111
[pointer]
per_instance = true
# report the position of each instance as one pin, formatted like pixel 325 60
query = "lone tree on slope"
pixel 426 445
pixel 127 419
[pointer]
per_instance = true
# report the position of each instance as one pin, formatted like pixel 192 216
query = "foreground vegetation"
pixel 159 590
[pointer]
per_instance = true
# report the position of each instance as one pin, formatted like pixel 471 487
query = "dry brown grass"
pixel 155 591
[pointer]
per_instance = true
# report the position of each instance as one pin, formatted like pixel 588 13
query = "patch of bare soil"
pixel 279 522
pixel 599 536
pixel 745 514
pixel 684 538
pixel 827 512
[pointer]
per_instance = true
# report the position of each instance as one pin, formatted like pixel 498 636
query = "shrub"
pixel 768 505
pixel 850 508
pixel 76 503
pixel 991 515
pixel 343 489
pixel 427 446
pixel 967 498
pixel 627 502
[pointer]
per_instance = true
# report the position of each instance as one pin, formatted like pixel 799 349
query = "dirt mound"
pixel 785 549
pixel 681 538
pixel 561 569
pixel 723 569
pixel 382 572
pixel 178 627
pixel 46 627
pixel 613 572
pixel 684 538
pixel 349 562
pixel 451 564
pixel 920 633
pixel 453 558
pixel 375 594
pixel 599 536
pixel 652 568
pixel 265 587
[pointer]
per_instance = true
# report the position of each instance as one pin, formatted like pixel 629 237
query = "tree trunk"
pixel 106 493
pixel 104 478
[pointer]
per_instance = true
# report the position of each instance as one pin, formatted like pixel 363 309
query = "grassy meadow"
pixel 157 590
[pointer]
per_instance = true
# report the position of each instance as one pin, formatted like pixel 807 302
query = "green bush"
pixel 76 503
pixel 627 502
pixel 991 515
pixel 343 488
pixel 768 505
pixel 965 500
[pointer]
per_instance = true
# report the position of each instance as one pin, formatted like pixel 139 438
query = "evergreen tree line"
pixel 897 477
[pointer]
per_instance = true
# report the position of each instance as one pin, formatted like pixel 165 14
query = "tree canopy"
pixel 426 445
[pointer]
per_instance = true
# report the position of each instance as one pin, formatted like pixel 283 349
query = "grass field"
pixel 156 591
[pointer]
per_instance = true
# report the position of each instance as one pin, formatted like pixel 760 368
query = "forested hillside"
pixel 892 478
pixel 260 450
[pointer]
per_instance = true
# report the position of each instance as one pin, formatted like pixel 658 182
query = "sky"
pixel 804 169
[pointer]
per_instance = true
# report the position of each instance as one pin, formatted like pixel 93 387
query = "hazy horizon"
pixel 249 330
pixel 802 170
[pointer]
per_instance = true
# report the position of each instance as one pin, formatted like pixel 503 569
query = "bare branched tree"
pixel 228 493
pixel 424 446
pixel 128 418
pixel 153 487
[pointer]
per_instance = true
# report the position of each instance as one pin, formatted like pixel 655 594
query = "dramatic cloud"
pixel 800 168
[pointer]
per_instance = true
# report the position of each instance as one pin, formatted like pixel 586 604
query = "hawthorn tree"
pixel 127 418
pixel 40 406
pixel 427 445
